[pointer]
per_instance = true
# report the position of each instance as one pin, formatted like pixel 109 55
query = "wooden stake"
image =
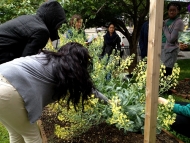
pixel 43 135
pixel 152 82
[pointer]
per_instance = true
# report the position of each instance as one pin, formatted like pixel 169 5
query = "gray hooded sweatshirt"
pixel 32 77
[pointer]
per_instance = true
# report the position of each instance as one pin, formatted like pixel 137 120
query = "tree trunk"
pixel 133 50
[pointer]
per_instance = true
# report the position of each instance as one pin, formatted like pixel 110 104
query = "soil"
pixel 182 89
pixel 102 133
pixel 105 133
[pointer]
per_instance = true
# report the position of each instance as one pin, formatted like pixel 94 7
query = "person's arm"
pixel 173 36
pixel 183 110
pixel 179 109
pixel 162 100
pixel 99 95
pixel 36 42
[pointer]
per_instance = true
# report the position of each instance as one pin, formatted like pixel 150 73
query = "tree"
pixel 96 12
pixel 10 9
pixel 99 12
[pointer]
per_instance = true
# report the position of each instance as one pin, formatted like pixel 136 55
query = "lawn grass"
pixel 184 73
pixel 4 137
pixel 184 68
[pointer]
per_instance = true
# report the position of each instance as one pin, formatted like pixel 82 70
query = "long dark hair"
pixel 72 72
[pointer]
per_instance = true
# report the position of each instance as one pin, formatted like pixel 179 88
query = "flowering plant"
pixel 166 82
pixel 126 107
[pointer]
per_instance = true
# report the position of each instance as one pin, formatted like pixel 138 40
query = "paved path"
pixel 184 55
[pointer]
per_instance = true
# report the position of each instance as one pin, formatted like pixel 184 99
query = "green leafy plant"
pixel 184 41
pixel 166 116
pixel 126 96
pixel 166 82
pixel 74 123
pixel 184 38
pixel 10 9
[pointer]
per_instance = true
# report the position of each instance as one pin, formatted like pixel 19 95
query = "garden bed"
pixel 102 133
pixel 182 89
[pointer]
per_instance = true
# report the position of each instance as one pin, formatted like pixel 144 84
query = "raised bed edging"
pixel 45 140
pixel 172 136
pixel 43 134
pixel 186 84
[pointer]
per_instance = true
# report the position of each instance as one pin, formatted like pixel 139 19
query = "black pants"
pixel 168 71
pixel 182 123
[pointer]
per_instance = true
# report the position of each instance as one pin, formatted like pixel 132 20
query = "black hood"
pixel 53 15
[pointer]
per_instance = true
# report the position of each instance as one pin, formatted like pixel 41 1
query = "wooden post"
pixel 152 82
pixel 42 132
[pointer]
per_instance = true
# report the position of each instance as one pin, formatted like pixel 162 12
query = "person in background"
pixel 111 41
pixel 143 40
pixel 39 80
pixel 182 122
pixel 27 34
pixel 76 25
pixel 171 29
pixel 76 30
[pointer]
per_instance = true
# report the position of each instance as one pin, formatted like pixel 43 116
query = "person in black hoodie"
pixel 111 40
pixel 27 34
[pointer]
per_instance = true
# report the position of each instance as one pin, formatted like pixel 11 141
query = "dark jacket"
pixel 27 34
pixel 72 33
pixel 143 40
pixel 110 43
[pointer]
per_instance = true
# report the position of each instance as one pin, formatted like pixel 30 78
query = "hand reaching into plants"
pixel 162 100
pixel 99 95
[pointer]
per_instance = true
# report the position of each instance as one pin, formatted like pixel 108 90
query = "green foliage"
pixel 126 97
pixel 74 122
pixel 127 110
pixel 4 137
pixel 184 38
pixel 184 68
pixel 10 9
pixel 166 117
pixel 180 137
pixel 166 82
pixel 100 12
